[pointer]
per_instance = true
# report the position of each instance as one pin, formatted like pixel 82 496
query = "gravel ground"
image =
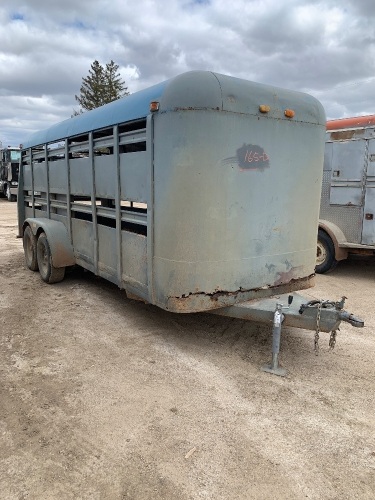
pixel 102 397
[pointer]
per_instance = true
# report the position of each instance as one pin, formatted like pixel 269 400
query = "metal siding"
pixel 57 176
pixel 222 228
pixel 27 181
pixel 368 230
pixel 135 171
pixel 80 177
pixel 107 256
pixel 40 177
pixel 349 159
pixel 347 218
pixel 82 238
pixel 346 194
pixel 105 176
pixel 328 152
pixel 28 212
pixel 348 163
pixel 134 258
pixel 371 159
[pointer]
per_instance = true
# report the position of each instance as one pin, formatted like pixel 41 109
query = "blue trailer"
pixel 198 194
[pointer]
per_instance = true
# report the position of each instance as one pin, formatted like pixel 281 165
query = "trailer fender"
pixel 58 240
pixel 337 237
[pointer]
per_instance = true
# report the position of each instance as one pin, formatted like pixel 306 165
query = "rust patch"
pixel 345 134
pixel 132 296
pixel 201 301
pixel 288 276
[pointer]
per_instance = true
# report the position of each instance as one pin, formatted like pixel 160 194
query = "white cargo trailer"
pixel 347 210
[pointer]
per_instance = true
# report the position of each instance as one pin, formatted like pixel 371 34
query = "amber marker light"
pixel 289 113
pixel 154 106
pixel 263 108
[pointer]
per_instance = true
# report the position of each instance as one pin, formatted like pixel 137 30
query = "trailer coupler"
pixel 338 306
pixel 293 310
pixel 353 320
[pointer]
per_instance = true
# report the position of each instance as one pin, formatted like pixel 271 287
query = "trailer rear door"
pixel 368 230
pixel 348 164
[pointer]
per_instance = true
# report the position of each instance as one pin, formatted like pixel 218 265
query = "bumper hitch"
pixel 350 318
pixel 293 310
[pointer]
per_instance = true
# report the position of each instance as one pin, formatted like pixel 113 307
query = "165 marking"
pixel 251 156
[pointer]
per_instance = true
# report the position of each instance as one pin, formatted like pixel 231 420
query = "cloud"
pixel 325 48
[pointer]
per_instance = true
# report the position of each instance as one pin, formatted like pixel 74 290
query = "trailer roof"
pixel 354 122
pixel 127 108
pixel 192 90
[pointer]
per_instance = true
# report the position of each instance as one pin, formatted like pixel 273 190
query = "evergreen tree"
pixel 101 86
pixel 114 86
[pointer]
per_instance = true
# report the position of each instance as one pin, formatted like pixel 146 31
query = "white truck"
pixel 347 209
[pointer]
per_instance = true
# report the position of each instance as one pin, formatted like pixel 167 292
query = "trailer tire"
pixel 29 249
pixel 8 194
pixel 48 272
pixel 325 254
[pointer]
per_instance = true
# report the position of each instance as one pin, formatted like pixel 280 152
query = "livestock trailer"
pixel 347 210
pixel 200 193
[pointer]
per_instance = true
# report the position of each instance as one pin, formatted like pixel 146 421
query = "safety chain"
pixel 332 339
pixel 317 329
pixel 319 304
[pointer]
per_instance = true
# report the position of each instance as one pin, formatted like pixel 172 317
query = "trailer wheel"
pixel 325 253
pixel 8 194
pixel 29 249
pixel 48 272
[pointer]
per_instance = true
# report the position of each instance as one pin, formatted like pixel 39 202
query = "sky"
pixel 325 48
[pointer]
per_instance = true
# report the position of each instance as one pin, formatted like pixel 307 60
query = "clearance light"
pixel 289 113
pixel 263 108
pixel 154 106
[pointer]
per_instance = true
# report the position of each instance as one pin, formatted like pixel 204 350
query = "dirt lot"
pixel 102 397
